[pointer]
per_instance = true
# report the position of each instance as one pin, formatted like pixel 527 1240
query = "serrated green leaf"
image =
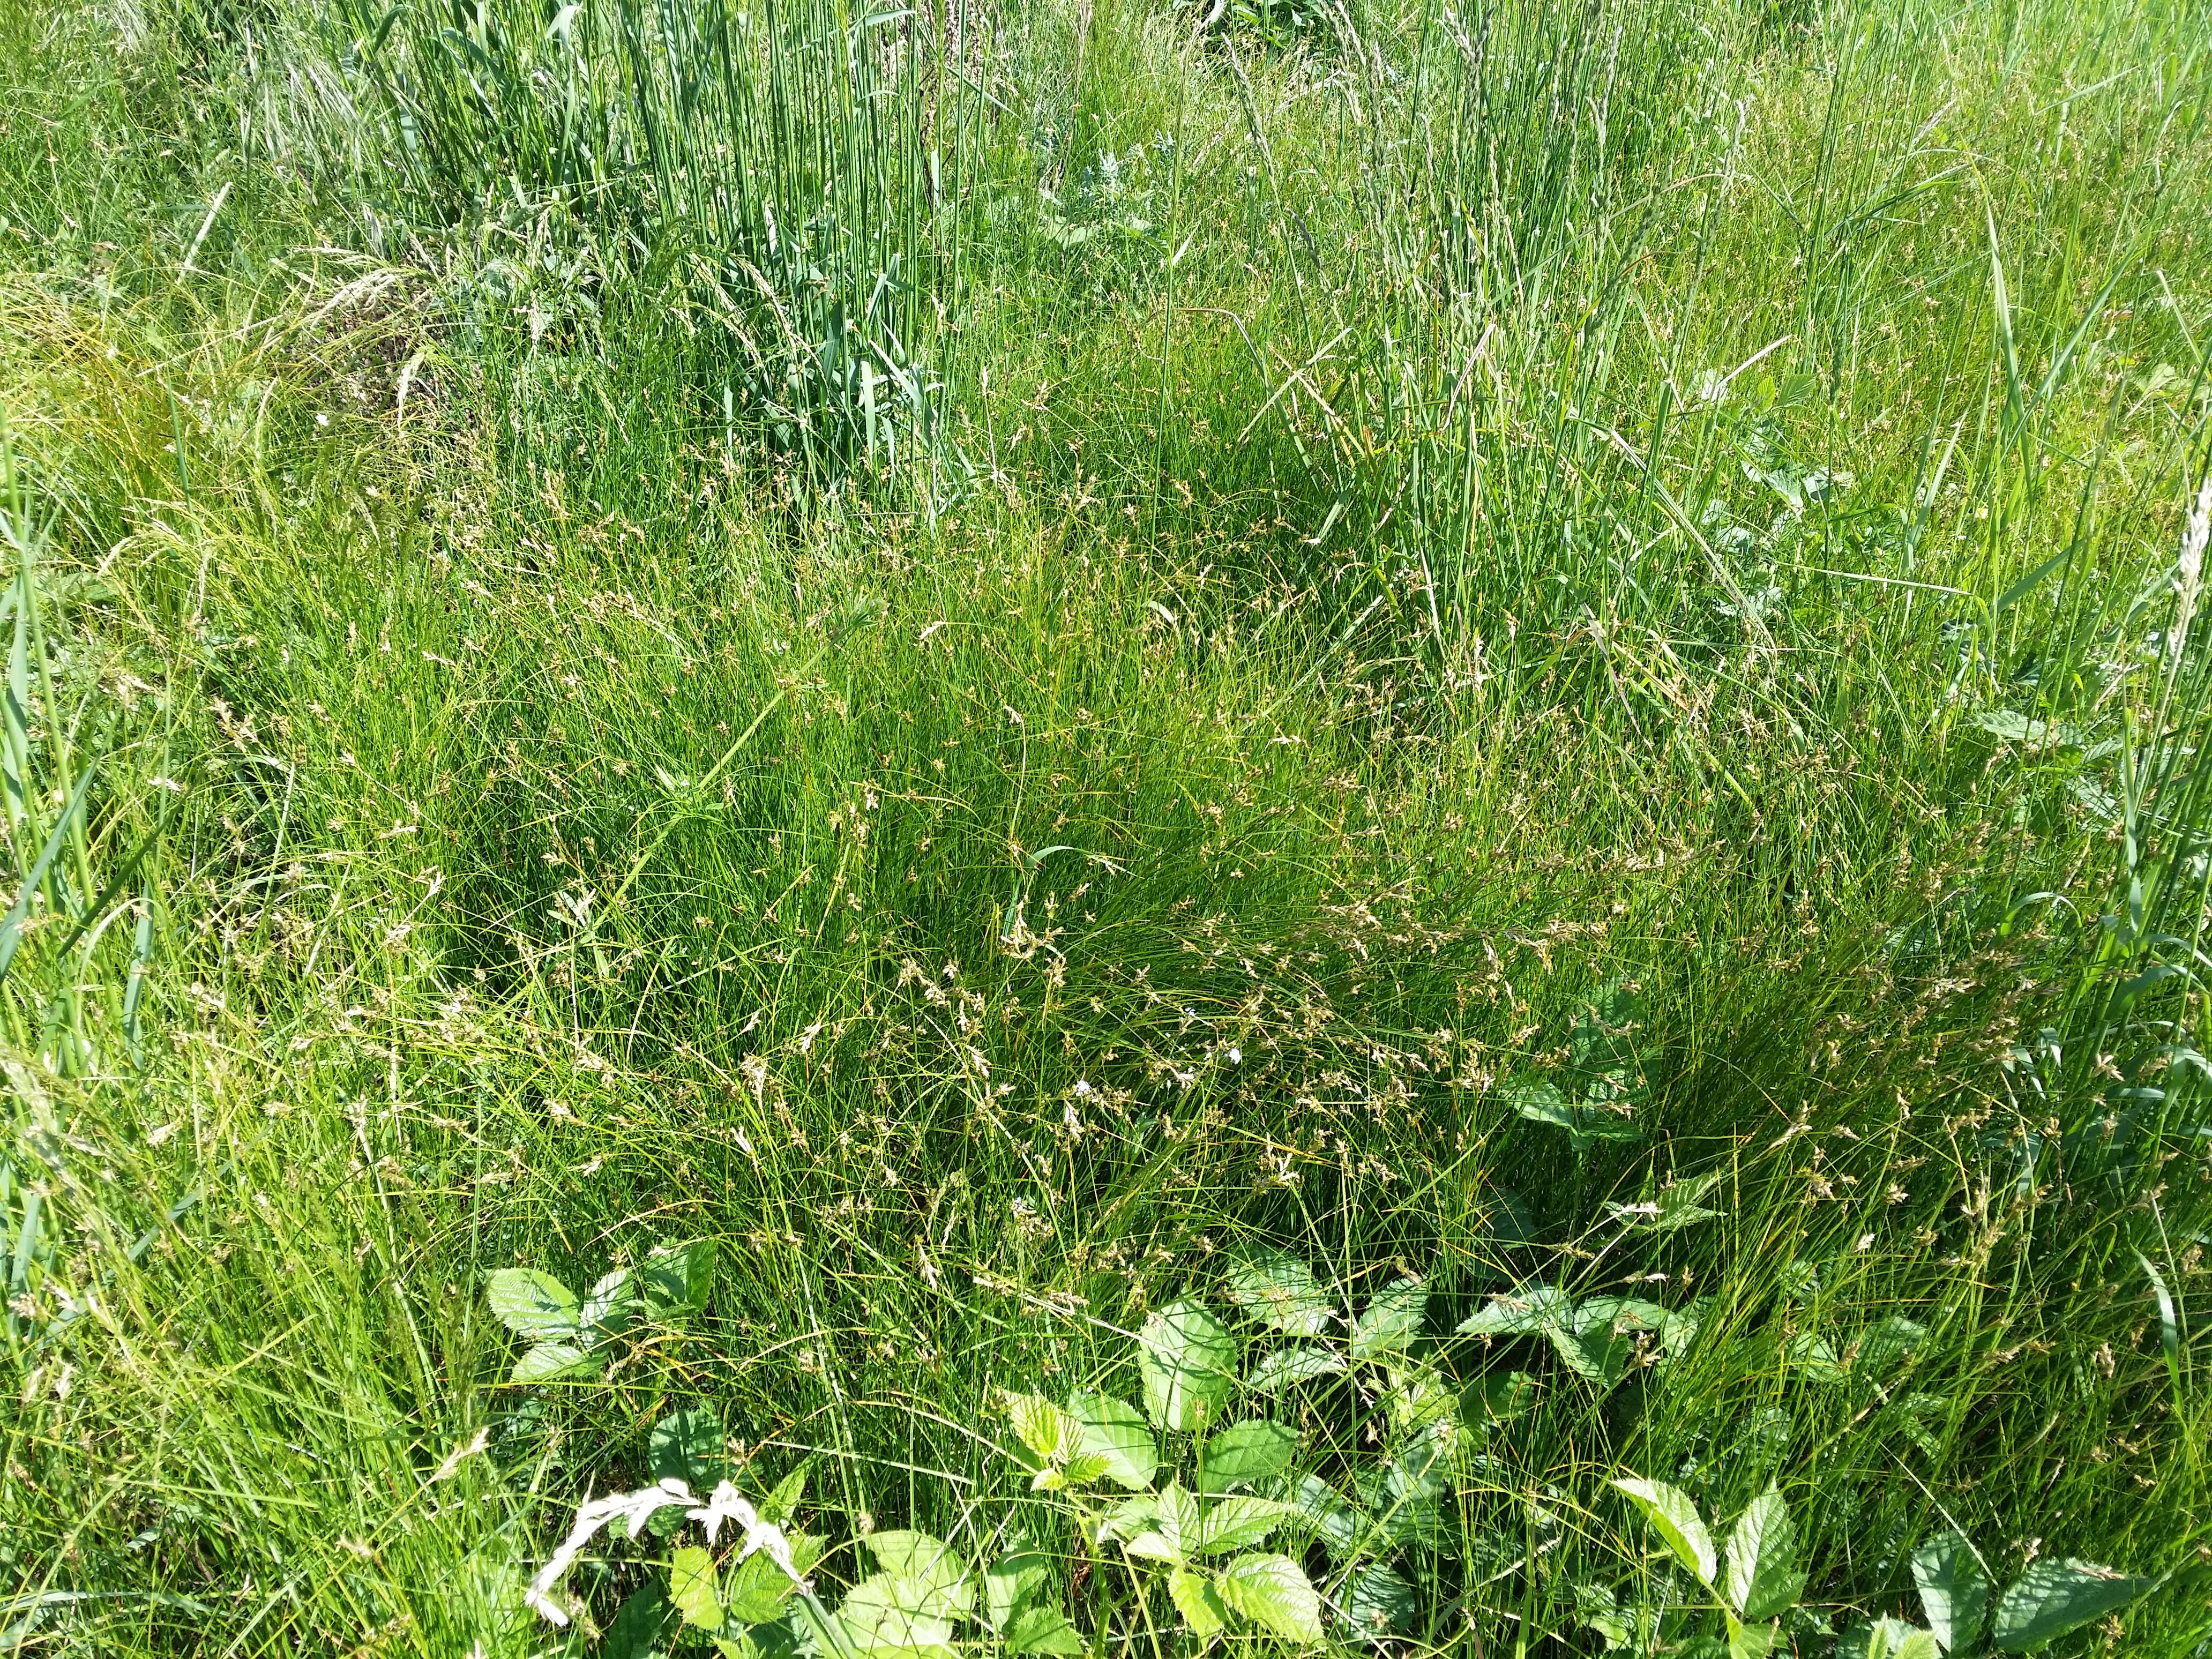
pixel 1598 1357
pixel 1187 1360
pixel 757 1589
pixel 782 1503
pixel 1280 1291
pixel 2052 1597
pixel 1500 1397
pixel 1763 1580
pixel 611 1308
pixel 1201 1605
pixel 1341 1526
pixel 1526 1310
pixel 691 1587
pixel 933 1573
pixel 1378 1602
pixel 889 1611
pixel 533 1304
pixel 1751 1641
pixel 1886 1346
pixel 1676 1520
pixel 1815 1357
pixel 1274 1592
pixel 1042 1631
pixel 1279 1368
pixel 1114 1430
pixel 1245 1452
pixel 1392 1322
pixel 1046 1433
pixel 679 1279
pixel 1954 1591
pixel 550 1359
pixel 1010 1583
pixel 639 1624
pixel 687 1446
pixel 1235 1523
pixel 1129 1517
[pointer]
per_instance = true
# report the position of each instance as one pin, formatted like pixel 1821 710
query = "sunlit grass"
pixel 1426 650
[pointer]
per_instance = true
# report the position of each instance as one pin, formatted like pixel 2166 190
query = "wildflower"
pixel 637 1508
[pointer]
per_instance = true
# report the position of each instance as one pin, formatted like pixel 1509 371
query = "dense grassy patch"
pixel 1511 697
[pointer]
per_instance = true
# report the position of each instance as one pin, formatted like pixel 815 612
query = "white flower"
pixel 637 1508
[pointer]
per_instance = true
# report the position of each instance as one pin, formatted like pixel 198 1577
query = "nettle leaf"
pixel 1245 1452
pixel 1377 1601
pixel 1235 1523
pixel 1676 1520
pixel 1763 1580
pixel 550 1359
pixel 1392 1322
pixel 1042 1631
pixel 1526 1310
pixel 2053 1597
pixel 1200 1603
pixel 691 1587
pixel 1280 1291
pixel 1114 1430
pixel 1009 1584
pixel 1753 1641
pixel 687 1446
pixel 1279 1368
pixel 1187 1360
pixel 1954 1591
pixel 533 1304
pixel 1274 1592
pixel 678 1278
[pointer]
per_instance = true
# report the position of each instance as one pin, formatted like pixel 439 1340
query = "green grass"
pixel 1110 694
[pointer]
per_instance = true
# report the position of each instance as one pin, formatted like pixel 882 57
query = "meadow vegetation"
pixel 1105 826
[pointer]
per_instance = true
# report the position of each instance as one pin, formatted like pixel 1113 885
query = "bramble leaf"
pixel 1114 1430
pixel 1245 1452
pixel 1954 1591
pixel 1676 1520
pixel 1280 1291
pixel 1187 1360
pixel 532 1303
pixel 691 1587
pixel 2053 1597
pixel 1763 1580
pixel 1392 1322
pixel 1272 1591
pixel 1200 1603
pixel 1279 1368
